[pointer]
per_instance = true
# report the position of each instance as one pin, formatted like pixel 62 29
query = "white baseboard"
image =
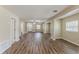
pixel 4 46
pixel 70 41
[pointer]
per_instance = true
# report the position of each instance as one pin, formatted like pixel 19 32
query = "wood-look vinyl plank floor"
pixel 39 43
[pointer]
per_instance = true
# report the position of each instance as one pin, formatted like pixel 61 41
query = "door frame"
pixel 12 30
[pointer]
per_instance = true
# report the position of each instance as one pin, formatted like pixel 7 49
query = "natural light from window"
pixel 38 26
pixel 72 26
pixel 29 26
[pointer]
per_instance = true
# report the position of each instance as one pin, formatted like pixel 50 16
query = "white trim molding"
pixel 4 46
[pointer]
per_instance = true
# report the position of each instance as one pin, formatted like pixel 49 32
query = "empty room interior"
pixel 39 29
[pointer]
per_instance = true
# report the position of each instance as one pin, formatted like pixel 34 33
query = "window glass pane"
pixel 38 26
pixel 72 26
pixel 29 26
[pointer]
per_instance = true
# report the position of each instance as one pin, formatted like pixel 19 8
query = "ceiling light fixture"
pixel 55 10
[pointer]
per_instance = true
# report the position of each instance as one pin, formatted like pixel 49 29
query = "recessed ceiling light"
pixel 55 10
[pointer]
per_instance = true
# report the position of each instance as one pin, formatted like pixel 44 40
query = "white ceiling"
pixel 35 12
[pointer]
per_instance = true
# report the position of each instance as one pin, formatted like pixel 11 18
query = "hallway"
pixel 39 29
pixel 39 43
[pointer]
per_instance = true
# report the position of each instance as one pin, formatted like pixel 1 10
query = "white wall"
pixel 72 37
pixel 57 29
pixel 47 27
pixel 52 28
pixel 23 27
pixel 5 32
pixel 56 23
pixel 44 28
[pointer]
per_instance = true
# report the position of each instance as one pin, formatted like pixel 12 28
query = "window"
pixel 29 26
pixel 72 26
pixel 38 26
